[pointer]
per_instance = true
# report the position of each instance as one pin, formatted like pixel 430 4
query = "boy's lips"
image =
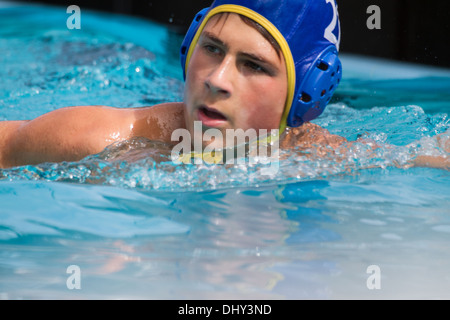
pixel 210 117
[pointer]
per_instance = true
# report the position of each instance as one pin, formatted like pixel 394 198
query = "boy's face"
pixel 235 79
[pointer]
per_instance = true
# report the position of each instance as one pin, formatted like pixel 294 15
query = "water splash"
pixel 145 164
pixel 398 125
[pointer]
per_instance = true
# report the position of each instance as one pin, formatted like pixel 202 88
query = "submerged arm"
pixel 442 142
pixel 318 143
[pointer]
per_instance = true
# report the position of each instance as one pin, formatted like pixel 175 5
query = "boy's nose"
pixel 220 80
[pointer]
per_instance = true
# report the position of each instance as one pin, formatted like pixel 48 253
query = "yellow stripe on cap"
pixel 212 157
pixel 274 32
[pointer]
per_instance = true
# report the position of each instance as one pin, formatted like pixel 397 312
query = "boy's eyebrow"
pixel 257 58
pixel 211 36
pixel 214 38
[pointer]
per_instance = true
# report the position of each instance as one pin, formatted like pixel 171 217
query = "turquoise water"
pixel 139 226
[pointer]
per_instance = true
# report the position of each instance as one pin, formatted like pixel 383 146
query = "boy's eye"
pixel 211 49
pixel 255 67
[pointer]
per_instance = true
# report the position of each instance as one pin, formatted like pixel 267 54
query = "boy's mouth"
pixel 211 117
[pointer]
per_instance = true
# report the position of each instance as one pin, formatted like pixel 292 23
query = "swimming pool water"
pixel 147 228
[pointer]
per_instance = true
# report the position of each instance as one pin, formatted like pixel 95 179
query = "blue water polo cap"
pixel 308 33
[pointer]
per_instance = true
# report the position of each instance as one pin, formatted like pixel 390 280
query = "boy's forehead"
pixel 216 24
pixel 240 35
pixel 220 17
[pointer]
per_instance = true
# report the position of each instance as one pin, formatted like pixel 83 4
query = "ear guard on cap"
pixel 317 88
pixel 189 37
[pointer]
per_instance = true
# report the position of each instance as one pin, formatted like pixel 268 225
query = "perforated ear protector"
pixel 317 88
pixel 311 96
pixel 189 37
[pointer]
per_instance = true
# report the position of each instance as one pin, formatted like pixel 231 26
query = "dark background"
pixel 411 30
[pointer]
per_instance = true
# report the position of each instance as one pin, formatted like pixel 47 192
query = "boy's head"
pixel 303 33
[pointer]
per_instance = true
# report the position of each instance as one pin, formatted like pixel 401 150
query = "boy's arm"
pixel 7 129
pixel 312 137
pixel 66 134
pixel 440 162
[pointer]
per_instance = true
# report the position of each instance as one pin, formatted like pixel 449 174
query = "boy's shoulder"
pixel 159 121
pixel 310 135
